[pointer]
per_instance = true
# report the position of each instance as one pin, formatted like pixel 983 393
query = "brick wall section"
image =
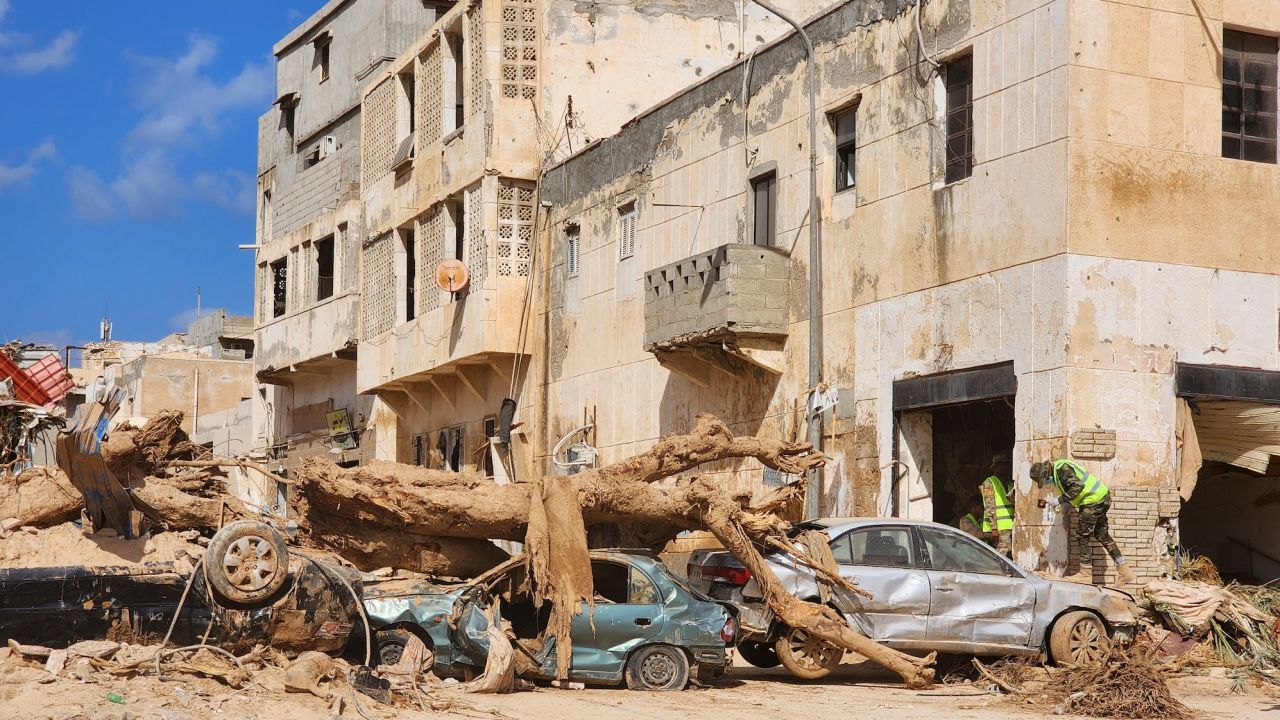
pixel 316 188
pixel 1093 444
pixel 1139 521
pixel 748 290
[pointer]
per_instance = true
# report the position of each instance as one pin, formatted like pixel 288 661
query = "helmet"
pixel 1000 458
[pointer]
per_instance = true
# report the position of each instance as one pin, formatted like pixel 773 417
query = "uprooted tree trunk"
pixel 334 502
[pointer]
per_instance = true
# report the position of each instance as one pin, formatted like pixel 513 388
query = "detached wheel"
pixel 807 656
pixel 1078 638
pixel 657 667
pixel 761 655
pixel 247 562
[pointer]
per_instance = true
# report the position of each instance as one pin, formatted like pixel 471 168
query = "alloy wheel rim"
pixel 811 651
pixel 250 562
pixel 1087 643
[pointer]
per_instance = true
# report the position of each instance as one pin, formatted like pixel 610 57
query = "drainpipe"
pixel 814 486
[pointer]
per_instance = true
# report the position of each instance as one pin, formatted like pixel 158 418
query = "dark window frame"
pixel 278 273
pixel 764 216
pixel 408 242
pixel 1249 90
pixel 846 140
pixel 325 246
pixel 958 129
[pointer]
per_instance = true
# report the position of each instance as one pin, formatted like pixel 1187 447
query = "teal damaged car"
pixel 650 629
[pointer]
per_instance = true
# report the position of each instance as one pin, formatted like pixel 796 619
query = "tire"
pixel 658 667
pixel 389 645
pixel 806 656
pixel 761 655
pixel 1078 638
pixel 247 563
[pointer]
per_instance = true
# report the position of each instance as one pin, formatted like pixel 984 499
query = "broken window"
pixel 410 275
pixel 845 125
pixel 279 288
pixel 959 120
pixel 622 584
pixel 627 231
pixel 1249 86
pixel 490 433
pixel 454 85
pixel 764 205
pixel 322 54
pixel 449 443
pixel 324 268
pixel 573 244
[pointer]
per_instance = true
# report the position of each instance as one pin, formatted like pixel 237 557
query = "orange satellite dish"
pixel 451 275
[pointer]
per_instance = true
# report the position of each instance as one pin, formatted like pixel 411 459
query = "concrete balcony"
pixel 310 340
pixel 724 309
pixel 462 348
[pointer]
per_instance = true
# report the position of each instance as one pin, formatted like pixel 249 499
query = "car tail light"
pixel 729 631
pixel 728 575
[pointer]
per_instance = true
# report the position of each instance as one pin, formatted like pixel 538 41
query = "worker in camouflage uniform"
pixel 971 523
pixel 1085 492
pixel 997 505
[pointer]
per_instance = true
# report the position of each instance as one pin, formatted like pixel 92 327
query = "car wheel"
pixel 1078 638
pixel 658 667
pixel 807 656
pixel 761 655
pixel 389 645
pixel 247 562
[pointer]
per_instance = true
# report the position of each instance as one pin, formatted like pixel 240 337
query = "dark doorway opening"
pixel 965 439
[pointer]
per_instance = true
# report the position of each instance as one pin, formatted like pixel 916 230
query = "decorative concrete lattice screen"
pixel 519 48
pixel 379 133
pixel 475 38
pixel 430 86
pixel 477 239
pixel 293 280
pixel 378 291
pixel 515 227
pixel 344 240
pixel 264 295
pixel 309 261
pixel 430 249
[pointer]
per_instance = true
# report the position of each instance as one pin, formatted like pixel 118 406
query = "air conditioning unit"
pixel 328 146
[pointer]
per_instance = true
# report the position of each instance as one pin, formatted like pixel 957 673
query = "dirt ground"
pixel 748 693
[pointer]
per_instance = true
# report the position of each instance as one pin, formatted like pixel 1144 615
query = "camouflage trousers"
pixel 1091 524
pixel 1005 544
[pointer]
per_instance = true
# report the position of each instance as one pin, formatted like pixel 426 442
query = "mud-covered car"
pixel 649 629
pixel 933 588
pixel 253 590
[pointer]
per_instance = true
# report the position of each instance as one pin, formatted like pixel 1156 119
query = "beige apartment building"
pixel 455 134
pixel 1048 228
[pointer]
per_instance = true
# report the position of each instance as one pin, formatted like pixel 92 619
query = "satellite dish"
pixel 451 275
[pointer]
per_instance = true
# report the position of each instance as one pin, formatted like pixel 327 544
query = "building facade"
pixel 1046 230
pixel 310 223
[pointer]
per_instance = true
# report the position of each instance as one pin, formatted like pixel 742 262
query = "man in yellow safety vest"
pixel 997 504
pixel 971 523
pixel 1091 499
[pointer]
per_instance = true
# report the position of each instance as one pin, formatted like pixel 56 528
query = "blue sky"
pixel 127 160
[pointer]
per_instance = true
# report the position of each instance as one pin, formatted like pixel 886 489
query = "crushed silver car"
pixel 933 588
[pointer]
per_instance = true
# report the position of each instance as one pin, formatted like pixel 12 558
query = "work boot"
pixel 1084 576
pixel 1125 574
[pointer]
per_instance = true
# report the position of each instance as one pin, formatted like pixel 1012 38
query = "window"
pixel 573 245
pixel 764 206
pixel 1249 96
pixel 620 584
pixel 324 268
pixel 449 443
pixel 626 231
pixel 312 157
pixel 322 59
pixel 279 288
pixel 877 547
pixel 959 125
pixel 490 433
pixel 458 220
pixel 454 86
pixel 954 552
pixel 410 274
pixel 286 121
pixel 418 443
pixel 845 125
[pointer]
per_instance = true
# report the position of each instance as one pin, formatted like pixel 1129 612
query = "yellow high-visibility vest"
pixel 1004 508
pixel 1094 491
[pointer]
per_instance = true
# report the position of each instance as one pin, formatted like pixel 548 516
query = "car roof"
pixel 836 525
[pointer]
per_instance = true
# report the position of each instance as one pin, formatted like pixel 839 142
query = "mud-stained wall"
pixel 180 381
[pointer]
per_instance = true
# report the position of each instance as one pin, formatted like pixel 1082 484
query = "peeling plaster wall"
pixel 156 382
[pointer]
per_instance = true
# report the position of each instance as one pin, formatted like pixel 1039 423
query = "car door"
pixel 628 611
pixel 881 560
pixel 976 598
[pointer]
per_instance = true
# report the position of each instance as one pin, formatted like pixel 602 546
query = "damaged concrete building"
pixel 1045 227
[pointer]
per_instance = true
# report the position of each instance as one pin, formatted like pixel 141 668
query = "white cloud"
pixel 10 174
pixel 57 338
pixel 180 322
pixel 182 107
pixel 23 57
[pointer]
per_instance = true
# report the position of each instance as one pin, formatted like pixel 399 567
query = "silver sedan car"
pixel 933 588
